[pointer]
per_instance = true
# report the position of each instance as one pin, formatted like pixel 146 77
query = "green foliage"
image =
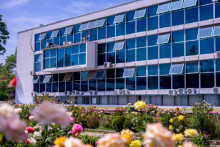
pixel 117 123
pixel 3 96
pixel 93 121
pixel 88 139
pixel 107 122
pixel 202 140
pixel 4 35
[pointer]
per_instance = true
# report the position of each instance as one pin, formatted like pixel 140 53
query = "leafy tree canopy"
pixel 4 35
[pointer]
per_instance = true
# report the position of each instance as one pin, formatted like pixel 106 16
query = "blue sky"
pixel 20 15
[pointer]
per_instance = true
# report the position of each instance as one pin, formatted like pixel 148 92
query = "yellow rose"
pixel 191 133
pixel 127 137
pixel 180 117
pixel 60 141
pixel 135 143
pixel 139 105
pixel 171 120
pixel 170 127
pixel 127 132
pixel 178 137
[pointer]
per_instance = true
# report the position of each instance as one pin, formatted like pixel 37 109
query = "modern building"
pixel 160 51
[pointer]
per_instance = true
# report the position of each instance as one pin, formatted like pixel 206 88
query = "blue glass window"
pixel 110 46
pixel 69 86
pixel 152 70
pixel 110 73
pixel 84 86
pixel 75 49
pixel 130 27
pixel 77 38
pixel 119 72
pixel 216 31
pixel 141 54
pixel 178 36
pixel 101 59
pixel 76 85
pixel 75 60
pixel 207 80
pixel 101 48
pixel 130 15
pixel 192 80
pixel 43 44
pixel 164 69
pixel 177 18
pixel 206 12
pixel 84 75
pixel 120 29
pixel 62 40
pixel 119 18
pixel 191 48
pixel 139 13
pixel 152 53
pixel 111 57
pixel 165 20
pixel 82 48
pixel 141 71
pixel 205 32
pixel 192 67
pixel 165 51
pixel 60 58
pixel 191 15
pixel 76 28
pixel 141 42
pixel 203 2
pixel 62 31
pixel 217 64
pixel 152 23
pixel 111 31
pixel 101 33
pixel 165 38
pixel 141 83
pixel 191 34
pixel 101 85
pixel 152 10
pixel 207 66
pixel 68 30
pixel 141 25
pixel 218 44
pixel 82 59
pixel 110 84
pixel 70 38
pixel 130 43
pixel 119 46
pixel 130 83
pixel 92 25
pixel 218 79
pixel 37 46
pixel 217 10
pixel 120 56
pixel 152 40
pixel 37 36
pixel 130 55
pixel 67 56
pixel 178 49
pixel 53 62
pixel 100 23
pixel 207 46
pixel 61 86
pixel 42 36
pixel 177 69
pixel 175 5
pixel 178 81
pixel 93 35
pixel 110 20
pixel 189 3
pixel 153 82
pixel 120 83
pixel 165 82
pixel 37 67
pixel 163 8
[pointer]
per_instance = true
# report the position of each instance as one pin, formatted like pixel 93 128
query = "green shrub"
pixel 117 123
pixel 202 140
pixel 89 140
pixel 107 122
pixel 92 121
pixel 3 96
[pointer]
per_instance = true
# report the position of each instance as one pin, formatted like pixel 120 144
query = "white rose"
pixel 32 141
pixel 18 110
pixel 37 135
pixel 31 118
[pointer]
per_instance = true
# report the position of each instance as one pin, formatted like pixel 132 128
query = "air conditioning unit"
pixel 125 91
pixel 44 93
pixel 65 42
pixel 191 91
pixel 80 93
pixel 181 91
pixel 216 90
pixel 32 73
pixel 117 91
pixel 67 93
pixel 75 92
pixel 92 92
pixel 172 92
pixel 218 55
pixel 49 45
pixel 83 39
pixel 33 94
pixel 69 42
pixel 107 64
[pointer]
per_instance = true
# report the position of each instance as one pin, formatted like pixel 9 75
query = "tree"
pixel 7 71
pixel 4 35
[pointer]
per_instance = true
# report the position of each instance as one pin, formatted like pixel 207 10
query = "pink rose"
pixel 71 120
pixel 29 129
pixel 76 130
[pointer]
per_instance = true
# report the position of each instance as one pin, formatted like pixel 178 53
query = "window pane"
pixel 191 34
pixel 75 49
pixel 130 43
pixel 119 72
pixel 178 49
pixel 101 33
pixel 130 55
pixel 207 66
pixel 76 85
pixel 101 59
pixel 119 18
pixel 37 58
pixel 152 40
pixel 110 73
pixel 82 59
pixel 37 46
pixel 55 33
pixel 120 29
pixel 217 44
pixel 192 81
pixel 111 31
pixel 165 82
pixel 217 10
pixel 120 56
pixel 141 54
pixel 42 36
pixel 206 12
pixel 93 35
pixel 84 75
pixel 120 83
pixel 163 8
pixel 218 79
pixel 101 85
pixel 207 80
pixel 110 83
pixel 191 15
pixel 165 20
pixel 164 69
pixel 53 62
pixel 129 72
pixel 191 48
pixel 77 38
pixel 153 82
pixel 152 10
pixel 91 25
pixel 152 23
pixel 189 3
pixel 84 85
pixel 216 31
pixel 130 27
pixel 119 45
pixel 178 81
pixel 141 42
pixel 165 51
pixel 207 46
pixel 163 38
pixel 176 69
pixel 83 27
pixel 101 48
pixel 152 53
pixel 68 30
pixel 130 83
pixel 130 15
pixel 139 13
pixel 217 64
pixel 100 74
pixel 70 38
pixel 47 79
pixel 37 66
pixel 175 5
pixel 92 84
pixel 177 18
pixel 60 58
pixel 152 70
pixel 141 25
pixel 192 67
pixel 141 70
pixel 76 28
pixel 141 83
pixel 67 56
pixel 205 32
pixel 178 36
pixel 82 48
pixel 111 57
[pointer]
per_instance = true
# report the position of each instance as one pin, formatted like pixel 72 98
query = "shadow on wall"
pixel 19 91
